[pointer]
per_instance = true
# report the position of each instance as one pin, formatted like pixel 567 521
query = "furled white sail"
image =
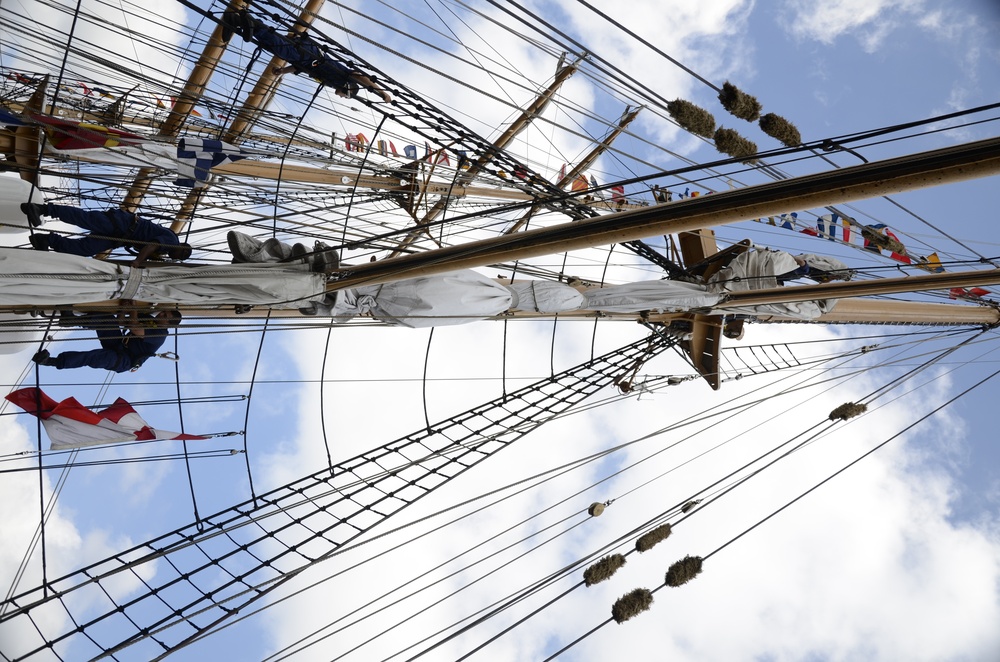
pixel 545 296
pixel 458 297
pixel 14 191
pixel 19 332
pixel 661 296
pixel 754 270
pixel 759 269
pixel 40 279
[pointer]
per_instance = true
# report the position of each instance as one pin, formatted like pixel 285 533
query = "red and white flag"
pixel 71 425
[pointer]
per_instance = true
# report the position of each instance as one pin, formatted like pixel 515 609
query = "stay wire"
pixel 180 415
pixel 423 381
pixel 811 489
pixel 555 322
pixel 647 525
pixel 855 461
pixel 358 545
pixel 467 585
pixel 249 398
pixel 494 613
pixel 185 455
pixel 649 45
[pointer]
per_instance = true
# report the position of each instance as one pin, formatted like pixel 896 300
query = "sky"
pixel 896 558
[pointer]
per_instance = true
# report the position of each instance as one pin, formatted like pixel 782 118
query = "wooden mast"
pixel 186 99
pixel 518 125
pixel 584 163
pixel 258 99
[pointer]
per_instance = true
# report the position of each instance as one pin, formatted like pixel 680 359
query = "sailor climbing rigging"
pixel 127 340
pixel 111 228
pixel 302 53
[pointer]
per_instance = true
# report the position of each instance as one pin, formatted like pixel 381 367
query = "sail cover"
pixel 544 296
pixel 753 270
pixel 20 332
pixel 456 297
pixel 758 269
pixel 32 278
pixel 661 296
pixel 464 296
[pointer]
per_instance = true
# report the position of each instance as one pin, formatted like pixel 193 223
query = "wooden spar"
pixel 300 174
pixel 518 125
pixel 871 311
pixel 528 116
pixel 189 95
pixel 589 159
pixel 262 93
pixel 584 163
pixel 950 164
pixel 139 120
pixel 25 143
pixel 839 290
pixel 847 311
pixel 197 81
pixel 258 99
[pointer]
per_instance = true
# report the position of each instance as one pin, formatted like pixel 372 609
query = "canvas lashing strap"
pixel 132 283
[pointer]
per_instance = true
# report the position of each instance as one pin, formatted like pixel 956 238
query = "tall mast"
pixel 518 125
pixel 258 99
pixel 189 95
pixel 584 163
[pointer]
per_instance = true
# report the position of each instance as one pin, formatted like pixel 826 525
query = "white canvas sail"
pixel 48 279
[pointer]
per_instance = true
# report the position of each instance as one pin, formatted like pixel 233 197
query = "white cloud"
pixel 101 25
pixel 871 20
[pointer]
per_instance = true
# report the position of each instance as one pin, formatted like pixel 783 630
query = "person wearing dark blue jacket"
pixel 109 229
pixel 303 54
pixel 120 351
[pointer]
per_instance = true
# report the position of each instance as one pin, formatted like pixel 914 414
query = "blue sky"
pixel 896 559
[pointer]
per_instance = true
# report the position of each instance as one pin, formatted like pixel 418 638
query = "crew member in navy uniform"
pixel 110 228
pixel 302 53
pixel 120 351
